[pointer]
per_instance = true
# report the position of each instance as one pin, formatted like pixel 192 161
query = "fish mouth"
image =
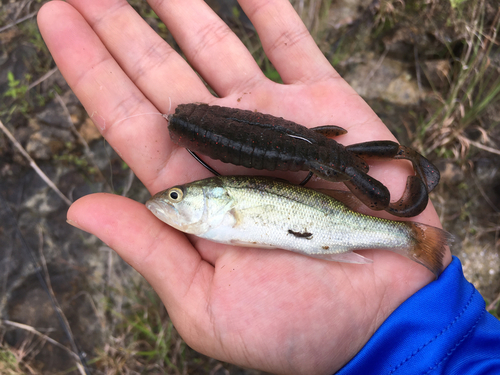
pixel 157 209
pixel 169 214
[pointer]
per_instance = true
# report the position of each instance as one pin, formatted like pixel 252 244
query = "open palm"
pixel 266 309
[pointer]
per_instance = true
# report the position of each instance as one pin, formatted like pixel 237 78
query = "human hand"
pixel 267 309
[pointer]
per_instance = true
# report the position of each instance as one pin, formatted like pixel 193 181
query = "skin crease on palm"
pixel 266 309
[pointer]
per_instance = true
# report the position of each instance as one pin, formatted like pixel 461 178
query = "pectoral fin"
pixel 251 244
pixel 239 214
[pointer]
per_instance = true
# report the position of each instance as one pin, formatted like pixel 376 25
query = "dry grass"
pixel 474 85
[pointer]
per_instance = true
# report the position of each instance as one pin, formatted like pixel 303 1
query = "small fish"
pixel 272 213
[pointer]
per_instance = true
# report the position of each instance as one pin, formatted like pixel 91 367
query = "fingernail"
pixel 73 223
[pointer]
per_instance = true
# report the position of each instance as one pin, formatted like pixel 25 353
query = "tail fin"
pixel 428 246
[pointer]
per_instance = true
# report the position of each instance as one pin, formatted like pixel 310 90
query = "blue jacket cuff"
pixel 442 329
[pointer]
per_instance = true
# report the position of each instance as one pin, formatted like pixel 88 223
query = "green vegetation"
pixel 474 86
pixel 20 98
pixel 145 340
pixel 17 92
pixel 271 72
pixel 145 337
pixel 10 364
pixel 69 157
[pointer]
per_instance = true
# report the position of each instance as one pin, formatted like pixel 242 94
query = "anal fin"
pixel 349 257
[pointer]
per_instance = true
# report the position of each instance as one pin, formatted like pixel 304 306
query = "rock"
pixel 481 266
pixel 57 80
pixel 488 177
pixel 30 305
pixel 345 12
pixel 451 173
pixel 437 72
pixel 55 115
pixel 389 80
pixel 48 141
pixel 89 131
pixel 43 203
pixel 52 129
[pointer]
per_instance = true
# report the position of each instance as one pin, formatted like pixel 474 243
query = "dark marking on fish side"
pixel 306 235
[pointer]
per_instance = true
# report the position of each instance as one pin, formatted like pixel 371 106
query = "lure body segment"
pixel 261 141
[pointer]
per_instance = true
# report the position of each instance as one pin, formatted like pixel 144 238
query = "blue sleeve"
pixel 444 328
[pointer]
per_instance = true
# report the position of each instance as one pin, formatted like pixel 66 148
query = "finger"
pixel 161 254
pixel 209 45
pixel 286 41
pixel 145 57
pixel 130 123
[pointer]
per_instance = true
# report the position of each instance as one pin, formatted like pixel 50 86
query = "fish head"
pixel 192 208
pixel 179 207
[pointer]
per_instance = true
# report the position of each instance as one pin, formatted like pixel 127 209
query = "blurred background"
pixel 69 304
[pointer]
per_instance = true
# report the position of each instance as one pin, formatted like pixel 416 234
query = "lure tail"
pixel 428 246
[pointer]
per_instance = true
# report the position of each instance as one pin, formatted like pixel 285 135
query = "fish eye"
pixel 175 195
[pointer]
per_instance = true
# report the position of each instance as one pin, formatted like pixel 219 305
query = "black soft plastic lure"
pixel 261 141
